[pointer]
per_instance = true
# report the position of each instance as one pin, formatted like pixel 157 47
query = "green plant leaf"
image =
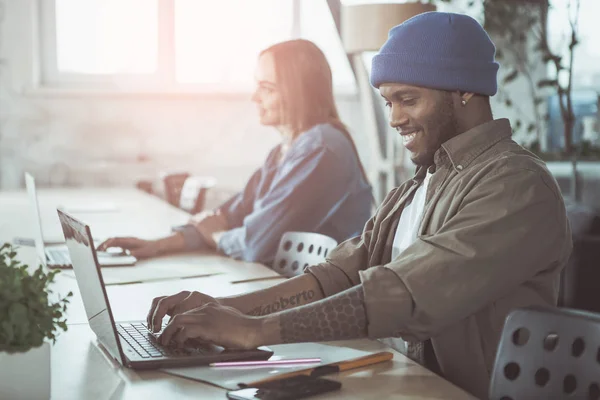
pixel 27 316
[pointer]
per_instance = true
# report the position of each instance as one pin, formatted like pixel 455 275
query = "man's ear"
pixel 465 97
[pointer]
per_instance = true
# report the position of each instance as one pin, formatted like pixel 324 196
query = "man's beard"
pixel 446 120
pixel 443 127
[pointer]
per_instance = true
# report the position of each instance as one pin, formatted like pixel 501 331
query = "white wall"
pixel 82 139
pixel 85 139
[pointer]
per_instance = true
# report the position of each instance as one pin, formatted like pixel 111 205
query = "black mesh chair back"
pixel 298 250
pixel 548 353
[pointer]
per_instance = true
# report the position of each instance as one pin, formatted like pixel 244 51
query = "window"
pixel 99 37
pixel 177 45
pixel 317 25
pixel 232 43
pixel 586 74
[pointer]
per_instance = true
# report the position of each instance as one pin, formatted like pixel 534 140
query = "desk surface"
pixel 81 370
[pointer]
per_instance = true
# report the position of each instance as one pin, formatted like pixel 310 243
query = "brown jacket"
pixel 494 237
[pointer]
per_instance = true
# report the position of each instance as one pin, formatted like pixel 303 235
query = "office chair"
pixel 145 186
pixel 187 192
pixel 548 353
pixel 298 250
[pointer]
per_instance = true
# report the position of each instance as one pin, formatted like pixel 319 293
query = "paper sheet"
pixel 229 378
pixel 147 272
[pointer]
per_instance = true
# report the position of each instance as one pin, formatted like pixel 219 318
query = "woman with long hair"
pixel 312 182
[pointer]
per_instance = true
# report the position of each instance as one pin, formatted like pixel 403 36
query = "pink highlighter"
pixel 267 363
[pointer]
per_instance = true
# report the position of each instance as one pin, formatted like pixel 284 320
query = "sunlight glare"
pixel 107 36
pixel 219 41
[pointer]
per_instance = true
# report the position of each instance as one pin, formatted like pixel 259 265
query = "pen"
pixel 291 361
pixel 160 279
pixel 320 370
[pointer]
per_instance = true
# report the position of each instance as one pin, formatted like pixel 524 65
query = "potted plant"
pixel 29 320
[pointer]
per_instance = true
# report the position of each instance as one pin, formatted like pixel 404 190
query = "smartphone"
pixel 297 387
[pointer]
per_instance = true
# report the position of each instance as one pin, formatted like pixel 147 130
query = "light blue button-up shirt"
pixel 318 187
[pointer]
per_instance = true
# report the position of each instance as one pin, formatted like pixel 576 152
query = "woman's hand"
pixel 173 305
pixel 209 225
pixel 139 248
pixel 215 323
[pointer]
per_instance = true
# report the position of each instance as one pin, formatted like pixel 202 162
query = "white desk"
pixel 80 370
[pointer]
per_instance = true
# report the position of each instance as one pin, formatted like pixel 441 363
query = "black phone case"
pixel 297 387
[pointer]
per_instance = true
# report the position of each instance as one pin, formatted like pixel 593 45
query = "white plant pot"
pixel 25 376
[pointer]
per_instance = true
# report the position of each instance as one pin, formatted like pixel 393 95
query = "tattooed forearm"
pixel 339 317
pixel 283 303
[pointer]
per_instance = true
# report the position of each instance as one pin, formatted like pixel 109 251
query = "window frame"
pixel 50 76
pixel 163 80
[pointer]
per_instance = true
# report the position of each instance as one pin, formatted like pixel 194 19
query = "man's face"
pixel 424 117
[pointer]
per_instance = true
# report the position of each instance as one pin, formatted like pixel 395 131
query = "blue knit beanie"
pixel 438 50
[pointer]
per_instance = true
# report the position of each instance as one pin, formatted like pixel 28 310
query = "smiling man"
pixel 480 230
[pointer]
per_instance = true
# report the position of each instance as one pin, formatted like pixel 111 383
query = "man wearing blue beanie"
pixel 480 230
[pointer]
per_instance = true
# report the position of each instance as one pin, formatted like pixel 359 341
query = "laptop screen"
pixel 89 280
pixel 35 212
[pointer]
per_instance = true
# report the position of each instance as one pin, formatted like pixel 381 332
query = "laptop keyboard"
pixel 144 342
pixel 58 257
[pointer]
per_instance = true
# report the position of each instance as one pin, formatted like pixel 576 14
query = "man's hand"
pixel 215 323
pixel 338 317
pixel 174 305
pixel 139 248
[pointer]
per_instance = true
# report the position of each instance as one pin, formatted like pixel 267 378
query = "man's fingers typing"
pixel 151 312
pixel 163 306
pixel 181 335
pixel 176 323
pixel 194 300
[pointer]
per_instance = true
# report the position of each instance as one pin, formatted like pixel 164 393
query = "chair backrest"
pixel 548 353
pixel 187 192
pixel 145 186
pixel 298 250
pixel 193 193
pixel 173 183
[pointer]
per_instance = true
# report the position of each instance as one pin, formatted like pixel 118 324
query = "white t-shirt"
pixel 406 234
pixel 410 219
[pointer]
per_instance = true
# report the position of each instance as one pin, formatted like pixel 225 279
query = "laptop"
pixel 131 343
pixel 57 256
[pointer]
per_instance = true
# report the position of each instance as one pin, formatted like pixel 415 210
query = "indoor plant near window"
pixel 522 29
pixel 29 320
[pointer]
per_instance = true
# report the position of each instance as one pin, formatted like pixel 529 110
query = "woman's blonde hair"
pixel 305 82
